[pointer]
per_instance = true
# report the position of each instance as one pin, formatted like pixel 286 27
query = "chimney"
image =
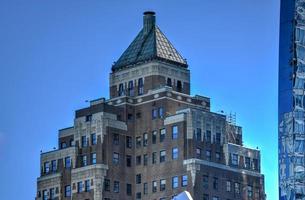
pixel 149 21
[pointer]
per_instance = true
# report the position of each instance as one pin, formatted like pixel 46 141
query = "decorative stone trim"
pixel 49 181
pixel 58 154
pixel 66 132
pixel 174 119
pixel 96 173
pixel 150 69
pixel 194 161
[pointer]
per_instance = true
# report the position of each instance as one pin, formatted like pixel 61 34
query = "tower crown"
pixel 149 44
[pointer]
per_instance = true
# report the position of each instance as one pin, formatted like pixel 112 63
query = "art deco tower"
pixel 151 139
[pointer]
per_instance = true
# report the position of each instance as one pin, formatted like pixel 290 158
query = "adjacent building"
pixel 151 139
pixel 291 100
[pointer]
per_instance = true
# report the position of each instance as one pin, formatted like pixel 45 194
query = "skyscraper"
pixel 151 139
pixel 291 100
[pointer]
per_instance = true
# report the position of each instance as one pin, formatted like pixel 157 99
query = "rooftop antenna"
pixel 231 118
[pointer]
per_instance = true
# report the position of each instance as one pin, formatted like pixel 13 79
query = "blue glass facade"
pixel 291 100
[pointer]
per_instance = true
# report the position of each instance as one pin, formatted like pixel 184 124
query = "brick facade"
pixel 150 143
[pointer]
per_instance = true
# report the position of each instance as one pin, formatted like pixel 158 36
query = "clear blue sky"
pixel 55 55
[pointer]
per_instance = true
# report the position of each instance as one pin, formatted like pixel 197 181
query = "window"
pixel 154 137
pixel 47 167
pixel 215 183
pixel 116 158
pixel 67 191
pixel 175 153
pixel 138 178
pixel 217 156
pixel 52 193
pixel 84 141
pixel 71 142
pixel 45 195
pixel 154 186
pixel 138 195
pixel 128 161
pixel 129 142
pixel 237 188
pixel 175 182
pixel 208 154
pixel 128 189
pixel 138 142
pixel 198 134
pixel 162 184
pixel 145 159
pixel 84 161
pixel 250 191
pixel 138 115
pixel 63 145
pixel 184 181
pixel 247 163
pixel 205 197
pixel 93 139
pixel 88 118
pixel 116 139
pixel 154 113
pixel 234 159
pixel 145 139
pixel 87 185
pixel 129 116
pixel 255 164
pixel 162 134
pixel 121 89
pixel 208 136
pixel 218 135
pixel 179 86
pixel 161 112
pixel 138 160
pixel 116 186
pixel 67 162
pixel 169 82
pixel 107 185
pixel 162 156
pixel 205 180
pixel 228 186
pixel 140 86
pixel 130 88
pixel 79 187
pixel 145 188
pixel 198 153
pixel 174 132
pixel 154 157
pixel 93 158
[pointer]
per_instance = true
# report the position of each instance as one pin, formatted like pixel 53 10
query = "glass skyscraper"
pixel 291 100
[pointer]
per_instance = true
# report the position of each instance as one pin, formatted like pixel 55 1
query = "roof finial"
pixel 149 21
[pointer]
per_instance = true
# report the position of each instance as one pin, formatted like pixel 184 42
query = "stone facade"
pixel 150 140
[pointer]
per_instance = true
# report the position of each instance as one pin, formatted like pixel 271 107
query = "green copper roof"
pixel 150 44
